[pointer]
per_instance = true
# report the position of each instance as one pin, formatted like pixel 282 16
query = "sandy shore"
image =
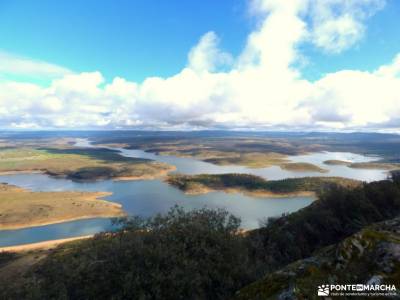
pixel 21 172
pixel 58 221
pixel 42 245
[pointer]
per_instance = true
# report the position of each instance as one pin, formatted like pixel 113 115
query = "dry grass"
pixel 302 167
pixel 80 164
pixel 375 165
pixel 21 208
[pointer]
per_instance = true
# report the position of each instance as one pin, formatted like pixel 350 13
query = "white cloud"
pixel 22 125
pixel 339 24
pixel 16 65
pixel 391 70
pixel 262 88
pixel 272 46
pixel 206 56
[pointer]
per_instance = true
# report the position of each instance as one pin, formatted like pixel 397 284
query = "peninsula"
pixel 20 208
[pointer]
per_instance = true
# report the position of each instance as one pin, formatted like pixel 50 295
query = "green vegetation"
pixel 370 255
pixel 6 257
pixel 375 165
pixel 256 184
pixel 21 208
pixel 302 167
pixel 336 162
pixel 251 160
pixel 79 164
pixel 202 254
pixel 286 143
pixel 254 152
pixel 213 146
pixel 364 165
pixel 249 152
pixel 186 255
pixel 338 213
pixel 263 160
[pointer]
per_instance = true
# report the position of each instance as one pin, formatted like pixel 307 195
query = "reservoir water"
pixel 148 197
pixel 193 166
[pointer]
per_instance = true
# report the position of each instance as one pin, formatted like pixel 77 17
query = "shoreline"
pixel 282 165
pixel 60 221
pixel 97 197
pixel 257 194
pixel 114 210
pixel 255 186
pixel 22 172
pixel 44 245
pixel 161 174
pixel 369 165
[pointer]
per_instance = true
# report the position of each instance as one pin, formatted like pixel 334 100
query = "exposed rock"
pixel 371 256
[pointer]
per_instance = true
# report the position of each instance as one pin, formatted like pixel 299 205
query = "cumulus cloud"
pixel 206 56
pixel 261 88
pixel 337 24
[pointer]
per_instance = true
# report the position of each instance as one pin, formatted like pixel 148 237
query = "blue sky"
pixel 137 39
pixel 132 39
pixel 379 45
pixel 260 64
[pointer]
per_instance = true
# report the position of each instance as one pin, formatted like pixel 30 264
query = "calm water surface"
pixel 149 197
pixel 143 198
pixel 193 166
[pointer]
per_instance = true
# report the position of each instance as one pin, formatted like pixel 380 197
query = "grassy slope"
pixel 79 164
pixel 20 208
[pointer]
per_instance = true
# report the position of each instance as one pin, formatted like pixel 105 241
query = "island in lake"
pixel 364 165
pixel 306 199
pixel 257 186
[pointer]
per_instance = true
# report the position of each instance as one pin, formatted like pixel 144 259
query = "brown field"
pixel 20 208
pixel 79 164
pixel 302 167
pixel 252 153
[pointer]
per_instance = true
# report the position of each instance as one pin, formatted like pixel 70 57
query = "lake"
pixel 193 166
pixel 148 197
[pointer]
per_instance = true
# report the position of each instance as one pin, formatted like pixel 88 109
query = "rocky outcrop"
pixel 371 256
